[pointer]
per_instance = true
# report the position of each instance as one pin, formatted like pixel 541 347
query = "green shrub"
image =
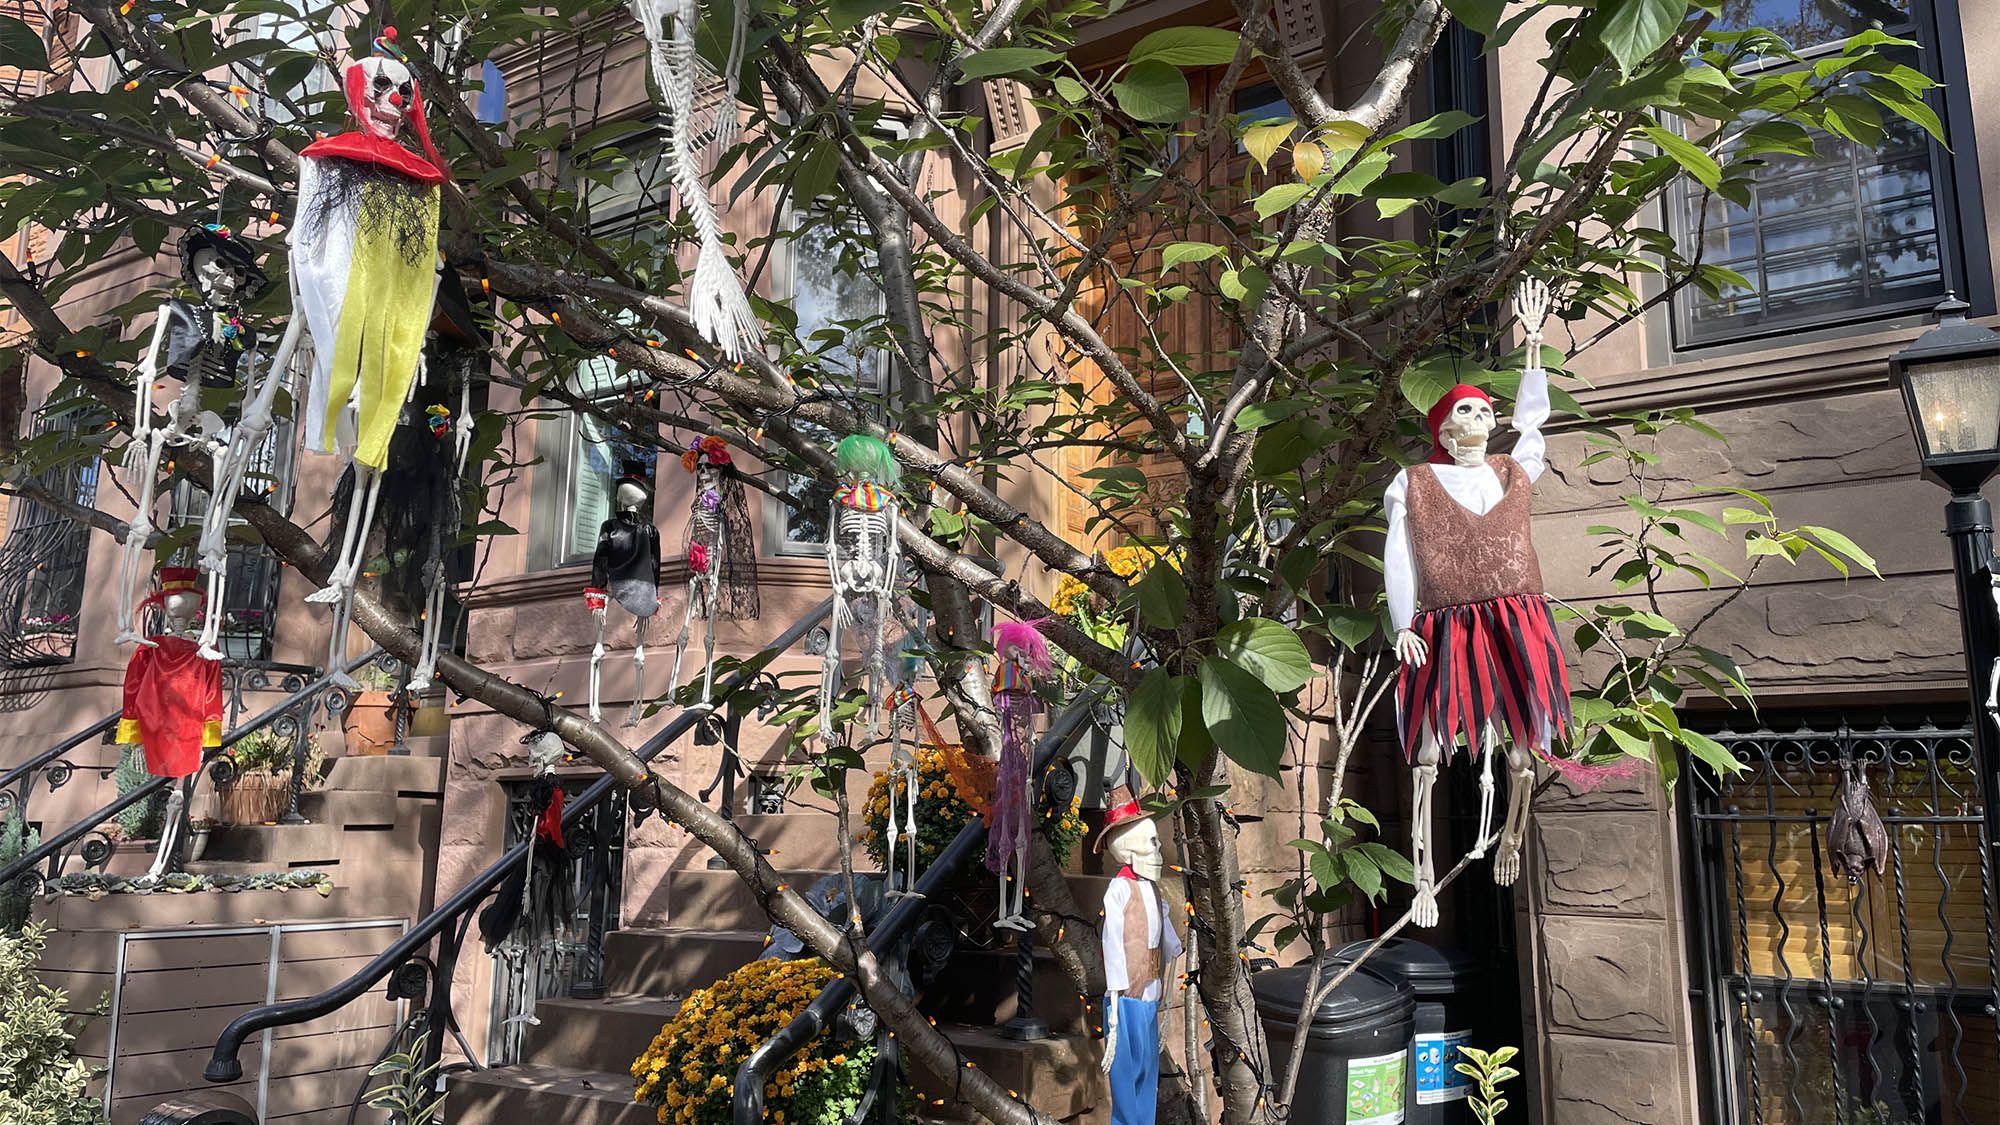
pixel 16 840
pixel 140 820
pixel 42 1082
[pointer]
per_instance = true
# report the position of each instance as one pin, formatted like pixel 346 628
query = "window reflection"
pixel 1808 23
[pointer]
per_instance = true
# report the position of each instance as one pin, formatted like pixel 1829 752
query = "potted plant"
pixel 370 721
pixel 198 830
pixel 259 786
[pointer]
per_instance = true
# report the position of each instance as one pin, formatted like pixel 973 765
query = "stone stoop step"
pixel 544 1094
pixel 720 899
pixel 609 1031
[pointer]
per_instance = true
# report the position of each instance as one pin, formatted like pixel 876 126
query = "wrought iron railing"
pixel 416 972
pixel 86 835
pixel 888 941
pixel 1829 1000
pixel 42 560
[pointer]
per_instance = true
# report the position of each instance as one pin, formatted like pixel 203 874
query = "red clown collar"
pixel 1438 413
pixel 370 149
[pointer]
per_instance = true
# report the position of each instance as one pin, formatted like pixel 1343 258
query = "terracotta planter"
pixel 258 797
pixel 370 725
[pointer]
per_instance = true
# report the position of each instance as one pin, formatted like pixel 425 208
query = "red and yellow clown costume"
pixel 364 256
pixel 173 697
pixel 1459 547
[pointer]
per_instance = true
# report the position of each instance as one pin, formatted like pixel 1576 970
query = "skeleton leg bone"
pixel 639 697
pixel 1424 907
pixel 596 671
pixel 138 534
pixel 1520 789
pixel 170 828
pixel 910 834
pixel 1485 799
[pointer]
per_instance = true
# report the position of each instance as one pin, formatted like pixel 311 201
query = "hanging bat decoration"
pixel 863 558
pixel 203 345
pixel 716 299
pixel 1022 655
pixel 721 555
pixel 625 569
pixel 364 270
pixel 1855 837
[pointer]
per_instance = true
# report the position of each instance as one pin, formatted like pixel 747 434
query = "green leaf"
pixel 1177 253
pixel 1153 91
pixel 21 46
pixel 846 15
pixel 1433 128
pixel 1360 868
pixel 1685 153
pixel 1153 724
pixel 1281 198
pixel 1482 16
pixel 1267 650
pixel 1634 29
pixel 1842 544
pixel 1393 863
pixel 1242 715
pixel 1350 626
pixel 1163 596
pixel 1328 869
pixel 1257 415
pixel 1712 752
pixel 996 61
pixel 1195 741
pixel 1070 90
pixel 1187 46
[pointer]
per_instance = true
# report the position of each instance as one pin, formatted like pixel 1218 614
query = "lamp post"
pixel 1950 380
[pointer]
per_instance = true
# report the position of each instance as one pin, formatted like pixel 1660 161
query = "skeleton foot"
pixel 130 638
pixel 210 652
pixel 1424 910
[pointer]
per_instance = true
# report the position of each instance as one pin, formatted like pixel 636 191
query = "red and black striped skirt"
pixel 1496 662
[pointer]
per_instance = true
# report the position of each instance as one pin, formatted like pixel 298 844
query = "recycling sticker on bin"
pixel 1375 1089
pixel 1438 1076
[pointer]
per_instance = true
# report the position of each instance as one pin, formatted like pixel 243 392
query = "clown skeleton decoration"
pixel 1482 653
pixel 721 557
pixel 625 569
pixel 364 267
pixel 863 558
pixel 173 702
pixel 202 345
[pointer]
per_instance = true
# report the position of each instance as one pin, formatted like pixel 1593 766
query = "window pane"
pixel 1807 23
pixel 598 453
pixel 832 293
pixel 1849 230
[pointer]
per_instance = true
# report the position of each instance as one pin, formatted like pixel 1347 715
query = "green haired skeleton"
pixel 860 457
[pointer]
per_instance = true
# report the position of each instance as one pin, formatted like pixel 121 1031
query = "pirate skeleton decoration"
pixel 1481 655
pixel 721 556
pixel 202 345
pixel 1140 946
pixel 1022 655
pixel 173 701
pixel 864 559
pixel 625 569
pixel 364 265
pixel 716 300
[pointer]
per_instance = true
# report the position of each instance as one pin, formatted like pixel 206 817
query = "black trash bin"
pixel 1446 1019
pixel 1357 1056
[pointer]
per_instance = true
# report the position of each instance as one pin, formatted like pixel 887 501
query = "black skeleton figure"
pixel 626 569
pixel 721 555
pixel 202 344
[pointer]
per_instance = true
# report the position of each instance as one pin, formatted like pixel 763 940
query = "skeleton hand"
pixel 1531 304
pixel 1110 1044
pixel 1411 649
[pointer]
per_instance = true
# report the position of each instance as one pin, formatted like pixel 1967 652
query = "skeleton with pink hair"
pixel 1022 655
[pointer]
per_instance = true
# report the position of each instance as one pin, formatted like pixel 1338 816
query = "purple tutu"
pixel 1007 827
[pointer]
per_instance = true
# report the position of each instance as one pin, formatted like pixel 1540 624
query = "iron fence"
pixel 1825 998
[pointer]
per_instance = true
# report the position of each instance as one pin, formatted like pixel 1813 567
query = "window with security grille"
pixel 1846 233
pixel 250 589
pixel 42 559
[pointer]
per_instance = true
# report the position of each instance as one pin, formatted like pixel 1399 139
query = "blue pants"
pixel 1135 1070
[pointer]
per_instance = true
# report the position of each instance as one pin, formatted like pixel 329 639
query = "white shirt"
pixel 1477 487
pixel 1160 935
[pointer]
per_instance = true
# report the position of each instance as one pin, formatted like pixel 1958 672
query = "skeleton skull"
pixel 386 93
pixel 180 608
pixel 1465 429
pixel 630 497
pixel 218 279
pixel 1138 847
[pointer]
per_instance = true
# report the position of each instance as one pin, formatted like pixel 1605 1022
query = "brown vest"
pixel 1142 960
pixel 1461 557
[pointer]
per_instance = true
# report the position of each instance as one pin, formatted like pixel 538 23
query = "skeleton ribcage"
pixel 863 542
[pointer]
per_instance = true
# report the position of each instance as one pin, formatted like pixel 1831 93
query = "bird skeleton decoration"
pixel 1022 655
pixel 721 556
pixel 1481 654
pixel 716 300
pixel 203 345
pixel 625 569
pixel 364 264
pixel 864 559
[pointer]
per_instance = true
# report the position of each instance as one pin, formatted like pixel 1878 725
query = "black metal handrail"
pixel 90 821
pixel 450 921
pixel 951 863
pixel 94 730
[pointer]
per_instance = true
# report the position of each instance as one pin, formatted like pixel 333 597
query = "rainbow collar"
pixel 862 496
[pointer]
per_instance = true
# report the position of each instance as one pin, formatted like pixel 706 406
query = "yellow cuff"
pixel 211 733
pixel 128 731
